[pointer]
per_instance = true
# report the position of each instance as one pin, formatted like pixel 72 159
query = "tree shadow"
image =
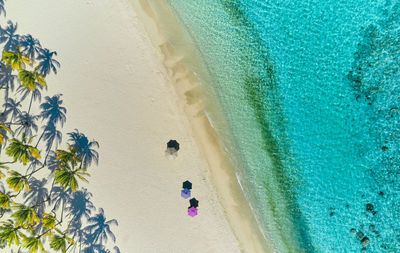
pixel 2 9
pixel 46 62
pixel 52 136
pixel 59 198
pixel 80 205
pixel 38 193
pixel 97 248
pixel 12 107
pixel 53 111
pixel 27 124
pixel 51 162
pixel 7 79
pixel 62 202
pixel 9 36
pixel 96 233
pixel 36 94
pixel 85 148
pixel 99 229
pixel 30 46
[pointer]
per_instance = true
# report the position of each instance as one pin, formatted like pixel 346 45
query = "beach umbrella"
pixel 187 185
pixel 192 211
pixel 173 144
pixel 194 202
pixel 185 193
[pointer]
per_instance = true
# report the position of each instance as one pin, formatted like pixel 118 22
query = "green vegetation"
pixel 42 205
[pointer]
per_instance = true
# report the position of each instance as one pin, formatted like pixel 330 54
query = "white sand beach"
pixel 119 91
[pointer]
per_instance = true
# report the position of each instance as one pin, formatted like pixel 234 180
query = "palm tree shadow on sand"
pixel 86 224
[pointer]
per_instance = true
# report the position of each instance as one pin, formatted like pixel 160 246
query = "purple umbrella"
pixel 185 193
pixel 192 211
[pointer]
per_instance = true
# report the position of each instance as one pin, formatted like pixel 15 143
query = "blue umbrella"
pixel 185 193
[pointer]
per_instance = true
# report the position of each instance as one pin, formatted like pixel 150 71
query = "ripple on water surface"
pixel 309 91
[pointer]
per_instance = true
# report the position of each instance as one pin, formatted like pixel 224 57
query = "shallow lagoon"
pixel 310 92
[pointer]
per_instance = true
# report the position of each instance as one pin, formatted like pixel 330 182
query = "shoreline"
pixel 187 87
pixel 118 91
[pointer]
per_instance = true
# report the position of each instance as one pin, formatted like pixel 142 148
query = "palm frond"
pixel 9 233
pixel 17 181
pixel 24 215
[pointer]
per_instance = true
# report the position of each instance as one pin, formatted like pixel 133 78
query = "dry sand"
pixel 128 93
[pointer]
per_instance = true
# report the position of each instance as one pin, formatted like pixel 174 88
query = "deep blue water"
pixel 310 91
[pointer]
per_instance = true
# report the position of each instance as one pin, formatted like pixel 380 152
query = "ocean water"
pixel 311 93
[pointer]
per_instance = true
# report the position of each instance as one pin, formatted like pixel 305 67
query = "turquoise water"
pixel 310 90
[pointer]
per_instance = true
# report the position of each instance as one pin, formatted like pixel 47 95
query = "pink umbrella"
pixel 192 211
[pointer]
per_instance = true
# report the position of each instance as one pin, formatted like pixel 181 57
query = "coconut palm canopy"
pixel 42 211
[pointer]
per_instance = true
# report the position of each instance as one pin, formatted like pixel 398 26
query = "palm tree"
pixel 16 59
pixel 68 156
pixel 85 148
pixel 67 176
pixel 30 79
pixel 12 107
pixel 100 229
pixel 27 123
pixel 9 36
pixel 30 46
pixel 32 242
pixel 60 241
pixel 3 134
pixel 46 62
pixel 21 150
pixel 5 199
pixel 24 215
pixel 9 233
pixel 67 173
pixel 53 111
